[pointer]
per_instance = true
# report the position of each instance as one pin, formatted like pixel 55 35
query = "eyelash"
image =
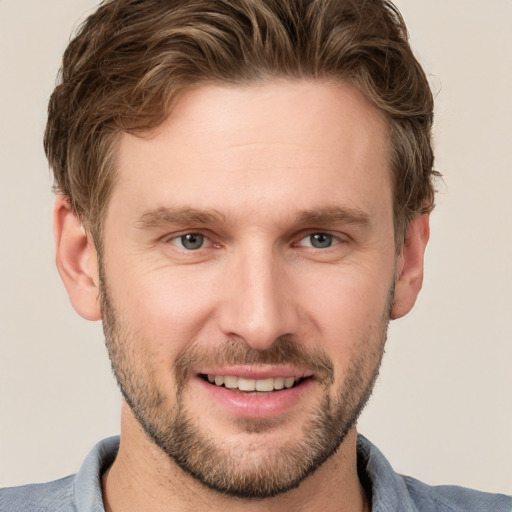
pixel 174 240
pixel 334 240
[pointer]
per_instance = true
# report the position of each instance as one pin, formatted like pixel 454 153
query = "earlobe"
pixel 76 260
pixel 409 267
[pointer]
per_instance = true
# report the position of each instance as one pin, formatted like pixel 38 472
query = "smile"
pixel 256 392
pixel 250 385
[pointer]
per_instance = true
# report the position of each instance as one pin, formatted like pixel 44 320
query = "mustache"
pixel 284 351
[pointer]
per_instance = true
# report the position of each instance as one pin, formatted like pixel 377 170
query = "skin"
pixel 257 158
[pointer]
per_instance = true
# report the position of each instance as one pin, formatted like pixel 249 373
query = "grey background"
pixel 442 410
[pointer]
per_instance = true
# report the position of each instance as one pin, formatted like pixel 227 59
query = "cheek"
pixel 168 308
pixel 349 313
pixel 346 297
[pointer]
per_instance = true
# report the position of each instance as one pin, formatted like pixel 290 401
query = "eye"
pixel 190 241
pixel 318 240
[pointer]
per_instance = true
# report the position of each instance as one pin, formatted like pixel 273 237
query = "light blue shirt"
pixel 391 492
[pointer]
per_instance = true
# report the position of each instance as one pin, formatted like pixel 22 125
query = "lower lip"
pixel 266 405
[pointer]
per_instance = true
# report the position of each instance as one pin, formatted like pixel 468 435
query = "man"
pixel 244 190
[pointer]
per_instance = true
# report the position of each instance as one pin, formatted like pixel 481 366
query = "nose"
pixel 257 299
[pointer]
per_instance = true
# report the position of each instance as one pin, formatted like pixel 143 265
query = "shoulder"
pixel 56 496
pixel 452 498
pixel 80 492
pixel 392 491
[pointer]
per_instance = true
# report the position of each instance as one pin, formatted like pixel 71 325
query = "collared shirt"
pixel 390 491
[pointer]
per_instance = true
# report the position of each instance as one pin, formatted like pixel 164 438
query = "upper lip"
pixel 256 372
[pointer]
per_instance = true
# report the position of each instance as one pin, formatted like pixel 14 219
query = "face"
pixel 247 278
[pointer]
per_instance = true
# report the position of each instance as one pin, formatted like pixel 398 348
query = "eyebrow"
pixel 346 215
pixel 151 219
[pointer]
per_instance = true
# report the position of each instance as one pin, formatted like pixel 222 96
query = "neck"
pixel 144 478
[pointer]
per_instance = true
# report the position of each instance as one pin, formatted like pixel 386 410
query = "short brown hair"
pixel 131 57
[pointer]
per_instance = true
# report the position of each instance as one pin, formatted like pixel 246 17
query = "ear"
pixel 77 260
pixel 409 266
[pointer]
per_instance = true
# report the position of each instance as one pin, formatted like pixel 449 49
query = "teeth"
pixel 265 385
pixel 230 382
pixel 279 383
pixel 246 384
pixel 288 383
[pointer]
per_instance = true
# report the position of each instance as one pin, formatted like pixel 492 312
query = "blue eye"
pixel 321 240
pixel 318 240
pixel 191 241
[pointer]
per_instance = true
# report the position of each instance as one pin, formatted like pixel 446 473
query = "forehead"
pixel 287 144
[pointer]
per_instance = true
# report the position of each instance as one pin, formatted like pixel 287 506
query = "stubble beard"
pixel 218 464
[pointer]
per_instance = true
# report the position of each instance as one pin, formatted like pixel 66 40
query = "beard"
pixel 225 467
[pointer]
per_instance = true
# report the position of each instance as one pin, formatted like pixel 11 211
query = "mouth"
pixel 253 386
pixel 257 392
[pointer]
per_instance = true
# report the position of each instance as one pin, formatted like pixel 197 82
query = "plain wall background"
pixel 442 409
